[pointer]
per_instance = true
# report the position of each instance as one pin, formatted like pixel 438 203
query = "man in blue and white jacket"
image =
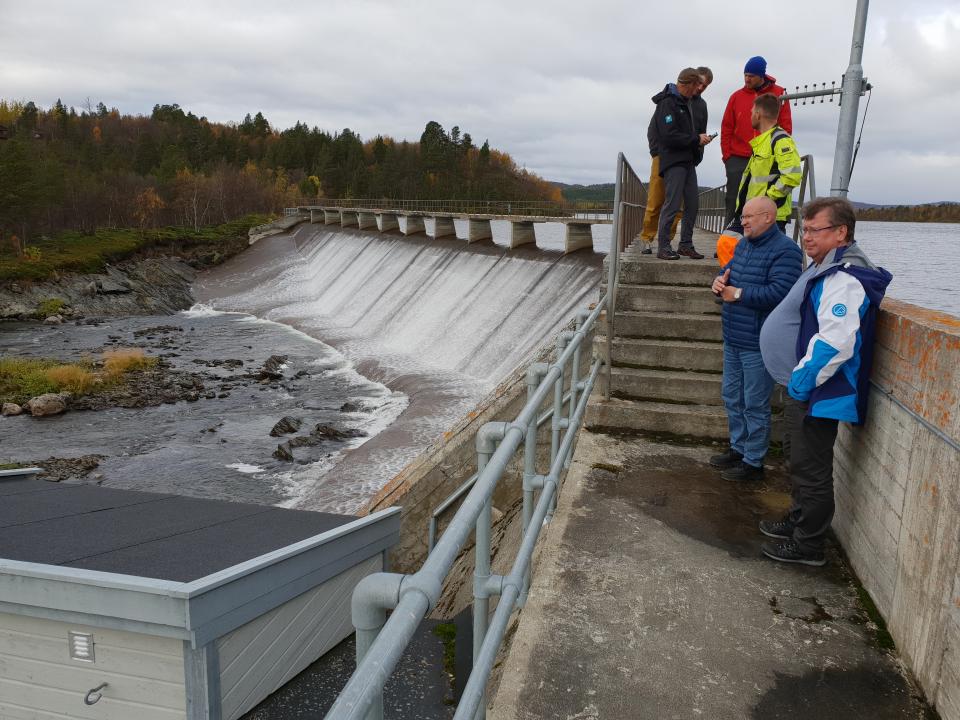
pixel 818 342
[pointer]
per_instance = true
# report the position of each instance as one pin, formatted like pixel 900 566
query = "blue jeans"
pixel 746 397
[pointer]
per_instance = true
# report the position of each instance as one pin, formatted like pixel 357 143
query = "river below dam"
pixel 382 340
pixel 388 340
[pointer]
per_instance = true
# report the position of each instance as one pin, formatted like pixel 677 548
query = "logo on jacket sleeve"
pixel 839 309
pixel 668 119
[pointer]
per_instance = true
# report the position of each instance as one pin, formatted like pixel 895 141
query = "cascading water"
pixel 439 321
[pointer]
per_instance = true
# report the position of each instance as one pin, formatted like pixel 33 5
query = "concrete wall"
pixel 898 494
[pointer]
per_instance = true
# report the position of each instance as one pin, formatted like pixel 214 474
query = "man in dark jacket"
pixel 680 145
pixel 765 265
pixel 819 344
pixel 655 193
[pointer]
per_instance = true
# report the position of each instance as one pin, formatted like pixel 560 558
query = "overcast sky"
pixel 561 86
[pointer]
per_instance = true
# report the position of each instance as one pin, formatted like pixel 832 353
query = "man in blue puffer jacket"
pixel 819 344
pixel 765 265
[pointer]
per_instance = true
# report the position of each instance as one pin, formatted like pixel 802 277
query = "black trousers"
pixel 679 187
pixel 811 474
pixel 735 166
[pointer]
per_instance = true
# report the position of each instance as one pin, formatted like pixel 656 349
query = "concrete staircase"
pixel 667 353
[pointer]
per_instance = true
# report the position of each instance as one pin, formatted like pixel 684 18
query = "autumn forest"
pixel 63 169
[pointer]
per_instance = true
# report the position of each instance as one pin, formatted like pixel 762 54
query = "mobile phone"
pixel 713 135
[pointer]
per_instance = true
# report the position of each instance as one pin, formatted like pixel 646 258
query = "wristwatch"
pixel 737 293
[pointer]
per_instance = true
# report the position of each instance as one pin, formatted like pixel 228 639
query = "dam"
pixel 437 321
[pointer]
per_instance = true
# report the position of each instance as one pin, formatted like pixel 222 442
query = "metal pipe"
pixel 562 341
pixel 851 89
pixel 473 701
pixel 372 597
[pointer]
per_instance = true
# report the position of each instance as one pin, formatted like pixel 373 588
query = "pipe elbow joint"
pixel 489 435
pixel 535 373
pixel 372 597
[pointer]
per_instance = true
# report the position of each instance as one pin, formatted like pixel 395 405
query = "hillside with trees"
pixel 943 212
pixel 61 169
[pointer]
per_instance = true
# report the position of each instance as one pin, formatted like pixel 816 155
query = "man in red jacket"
pixel 736 131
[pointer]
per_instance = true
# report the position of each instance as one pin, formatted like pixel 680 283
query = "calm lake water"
pixel 923 257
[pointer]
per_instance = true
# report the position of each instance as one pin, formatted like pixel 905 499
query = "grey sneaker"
pixel 777 529
pixel 789 552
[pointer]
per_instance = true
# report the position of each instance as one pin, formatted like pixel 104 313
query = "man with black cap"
pixel 680 145
pixel 736 129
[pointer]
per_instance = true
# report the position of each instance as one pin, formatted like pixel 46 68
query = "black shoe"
pixel 690 253
pixel 777 529
pixel 646 251
pixel 728 459
pixel 742 472
pixel 788 551
pixel 667 254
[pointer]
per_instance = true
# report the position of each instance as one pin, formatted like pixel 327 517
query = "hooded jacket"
pixel 838 318
pixel 735 129
pixel 677 140
pixel 765 268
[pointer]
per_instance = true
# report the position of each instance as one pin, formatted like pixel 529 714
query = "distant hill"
pixel 943 212
pixel 590 193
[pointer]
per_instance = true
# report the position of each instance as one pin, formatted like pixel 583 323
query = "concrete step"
pixel 674 326
pixel 665 386
pixel 702 421
pixel 647 270
pixel 666 299
pixel 664 354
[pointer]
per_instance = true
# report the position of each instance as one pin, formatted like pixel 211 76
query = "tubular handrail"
pixel 381 641
pixel 712 214
pixel 586 209
pixel 629 205
pixel 452 498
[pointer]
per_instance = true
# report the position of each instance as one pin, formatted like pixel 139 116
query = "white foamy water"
pixel 439 321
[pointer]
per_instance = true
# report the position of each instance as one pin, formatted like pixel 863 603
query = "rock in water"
pixel 11 409
pixel 285 426
pixel 54 320
pixel 283 452
pixel 48 404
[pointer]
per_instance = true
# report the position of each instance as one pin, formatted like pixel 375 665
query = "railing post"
pixel 534 374
pixel 612 260
pixel 487 439
pixel 575 376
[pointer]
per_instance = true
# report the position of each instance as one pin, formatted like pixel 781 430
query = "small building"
pixel 122 605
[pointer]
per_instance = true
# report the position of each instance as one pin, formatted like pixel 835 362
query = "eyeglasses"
pixel 807 230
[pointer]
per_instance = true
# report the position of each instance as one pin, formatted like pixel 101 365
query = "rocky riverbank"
pixel 232 408
pixel 149 286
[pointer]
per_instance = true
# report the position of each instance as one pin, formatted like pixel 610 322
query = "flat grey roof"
pixel 151 535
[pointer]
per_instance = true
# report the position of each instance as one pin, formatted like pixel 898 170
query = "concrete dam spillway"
pixel 439 322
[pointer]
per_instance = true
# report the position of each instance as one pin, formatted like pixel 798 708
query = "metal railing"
pixel 588 210
pixel 712 214
pixel 629 205
pixel 381 641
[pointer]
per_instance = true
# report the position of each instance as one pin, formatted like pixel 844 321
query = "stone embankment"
pixel 152 286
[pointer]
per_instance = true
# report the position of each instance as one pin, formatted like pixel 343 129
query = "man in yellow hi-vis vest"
pixel 775 167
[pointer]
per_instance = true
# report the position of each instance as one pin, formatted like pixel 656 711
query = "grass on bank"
pixel 24 378
pixel 76 252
